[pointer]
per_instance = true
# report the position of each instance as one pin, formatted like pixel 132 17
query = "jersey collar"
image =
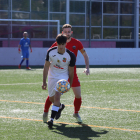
pixel 61 53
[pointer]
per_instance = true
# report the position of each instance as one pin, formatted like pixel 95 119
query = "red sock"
pixel 47 104
pixel 77 104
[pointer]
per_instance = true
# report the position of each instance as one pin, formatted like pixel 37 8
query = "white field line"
pixel 20 84
pixel 115 80
pixel 118 80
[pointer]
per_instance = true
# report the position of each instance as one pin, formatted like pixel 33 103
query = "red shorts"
pixel 76 82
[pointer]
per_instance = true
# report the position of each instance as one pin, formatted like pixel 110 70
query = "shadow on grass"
pixel 83 132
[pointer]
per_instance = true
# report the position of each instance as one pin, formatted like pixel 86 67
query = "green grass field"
pixel 110 106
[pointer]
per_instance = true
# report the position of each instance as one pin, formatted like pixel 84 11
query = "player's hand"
pixel 31 50
pixel 87 72
pixel 19 50
pixel 44 86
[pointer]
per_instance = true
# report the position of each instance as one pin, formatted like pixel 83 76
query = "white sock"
pixel 60 106
pixel 52 119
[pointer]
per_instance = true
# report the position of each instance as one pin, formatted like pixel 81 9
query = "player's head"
pixel 25 34
pixel 61 40
pixel 66 29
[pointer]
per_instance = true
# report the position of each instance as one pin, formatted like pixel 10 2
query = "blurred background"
pixel 97 23
pixel 101 26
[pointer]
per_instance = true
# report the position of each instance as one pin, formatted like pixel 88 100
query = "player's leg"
pixel 27 61
pixel 76 87
pixel 62 106
pixel 47 105
pixel 55 108
pixel 58 115
pixel 77 102
pixel 22 60
pixel 50 98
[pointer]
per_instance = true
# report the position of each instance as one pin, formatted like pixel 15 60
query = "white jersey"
pixel 60 63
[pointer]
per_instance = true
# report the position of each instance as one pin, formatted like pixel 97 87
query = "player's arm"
pixel 30 48
pixel 71 74
pixel 71 67
pixel 82 50
pixel 45 74
pixel 19 46
pixel 86 61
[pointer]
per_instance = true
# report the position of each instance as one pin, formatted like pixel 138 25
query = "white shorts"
pixel 52 86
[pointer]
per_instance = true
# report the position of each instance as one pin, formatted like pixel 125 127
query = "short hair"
pixel 25 33
pixel 66 26
pixel 61 39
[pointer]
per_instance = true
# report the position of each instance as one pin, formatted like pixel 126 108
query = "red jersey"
pixel 74 45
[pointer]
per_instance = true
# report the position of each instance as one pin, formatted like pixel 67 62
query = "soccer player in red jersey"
pixel 73 45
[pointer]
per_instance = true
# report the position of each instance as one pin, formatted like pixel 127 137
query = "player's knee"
pixel 51 99
pixel 78 95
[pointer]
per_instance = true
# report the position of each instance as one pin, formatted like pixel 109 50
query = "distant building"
pixel 115 23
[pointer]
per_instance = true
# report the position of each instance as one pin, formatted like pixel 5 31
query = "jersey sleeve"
pixel 73 59
pixel 20 43
pixel 80 47
pixel 47 56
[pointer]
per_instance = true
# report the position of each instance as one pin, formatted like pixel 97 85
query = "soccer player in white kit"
pixel 59 65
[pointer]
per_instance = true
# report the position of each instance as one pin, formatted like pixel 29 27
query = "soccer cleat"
pixel 59 112
pixel 19 66
pixel 28 68
pixel 78 118
pixel 45 117
pixel 50 124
